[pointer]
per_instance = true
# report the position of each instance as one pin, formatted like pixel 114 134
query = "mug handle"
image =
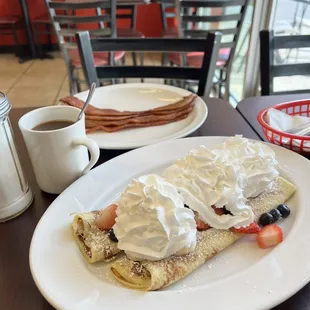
pixel 93 149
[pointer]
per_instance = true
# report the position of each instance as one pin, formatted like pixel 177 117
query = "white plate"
pixel 241 277
pixel 139 97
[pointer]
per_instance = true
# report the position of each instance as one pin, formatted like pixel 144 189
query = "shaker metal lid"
pixel 5 106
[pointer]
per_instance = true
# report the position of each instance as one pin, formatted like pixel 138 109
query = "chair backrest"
pixel 194 21
pixel 93 20
pixel 130 15
pixel 165 14
pixel 269 48
pixel 204 75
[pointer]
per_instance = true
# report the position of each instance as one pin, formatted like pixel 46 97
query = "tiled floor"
pixel 34 83
pixel 40 82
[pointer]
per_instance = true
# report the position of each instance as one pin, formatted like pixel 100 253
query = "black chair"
pixel 42 25
pixel 9 26
pixel 203 74
pixel 195 22
pixel 101 14
pixel 269 46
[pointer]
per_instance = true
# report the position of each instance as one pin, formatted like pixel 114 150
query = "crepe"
pixel 94 243
pixel 154 275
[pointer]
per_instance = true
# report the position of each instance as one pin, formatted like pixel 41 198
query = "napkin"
pixel 281 121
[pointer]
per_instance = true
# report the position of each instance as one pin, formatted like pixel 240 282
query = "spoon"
pixel 90 94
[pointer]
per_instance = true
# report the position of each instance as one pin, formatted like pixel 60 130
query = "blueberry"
pixel 112 235
pixel 275 214
pixel 284 210
pixel 266 219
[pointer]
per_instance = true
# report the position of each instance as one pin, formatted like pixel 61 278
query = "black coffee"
pixel 52 125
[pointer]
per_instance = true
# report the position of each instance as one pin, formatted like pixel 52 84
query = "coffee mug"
pixel 59 156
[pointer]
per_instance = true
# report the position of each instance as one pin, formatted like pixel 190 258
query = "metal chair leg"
pixel 73 88
pixel 164 61
pixel 183 60
pixel 221 82
pixel 171 82
pixel 123 62
pixel 38 43
pixel 226 85
pixel 134 58
pixel 141 56
pixel 118 63
pixel 49 30
pixel 72 82
pixel 14 34
pixel 77 79
pixel 78 85
pixel 112 63
pixel 141 59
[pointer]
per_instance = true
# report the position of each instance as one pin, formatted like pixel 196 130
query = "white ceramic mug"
pixel 60 156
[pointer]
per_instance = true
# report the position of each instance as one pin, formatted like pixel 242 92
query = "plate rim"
pixel 275 301
pixel 201 117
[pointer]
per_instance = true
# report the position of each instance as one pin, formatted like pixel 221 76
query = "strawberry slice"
pixel 201 225
pixel 253 228
pixel 269 236
pixel 106 217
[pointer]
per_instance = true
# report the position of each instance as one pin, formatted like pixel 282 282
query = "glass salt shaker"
pixel 15 193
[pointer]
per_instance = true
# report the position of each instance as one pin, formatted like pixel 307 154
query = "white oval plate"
pixel 243 276
pixel 139 97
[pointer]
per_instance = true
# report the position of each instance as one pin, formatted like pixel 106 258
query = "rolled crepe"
pixel 94 243
pixel 150 275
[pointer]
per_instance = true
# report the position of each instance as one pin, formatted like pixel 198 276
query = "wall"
pixel 148 18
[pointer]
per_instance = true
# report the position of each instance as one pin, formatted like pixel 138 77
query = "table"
pixel 250 107
pixel 18 291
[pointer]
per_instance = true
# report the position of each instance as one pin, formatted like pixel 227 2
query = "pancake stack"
pixel 110 120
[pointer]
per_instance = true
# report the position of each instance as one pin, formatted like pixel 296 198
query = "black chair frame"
pixel 187 16
pixel 268 70
pixel 65 27
pixel 11 29
pixel 204 75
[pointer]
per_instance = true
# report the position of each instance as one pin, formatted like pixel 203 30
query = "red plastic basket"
pixel 299 144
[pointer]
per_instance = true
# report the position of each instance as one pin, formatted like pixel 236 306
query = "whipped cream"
pixel 152 222
pixel 205 179
pixel 255 164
